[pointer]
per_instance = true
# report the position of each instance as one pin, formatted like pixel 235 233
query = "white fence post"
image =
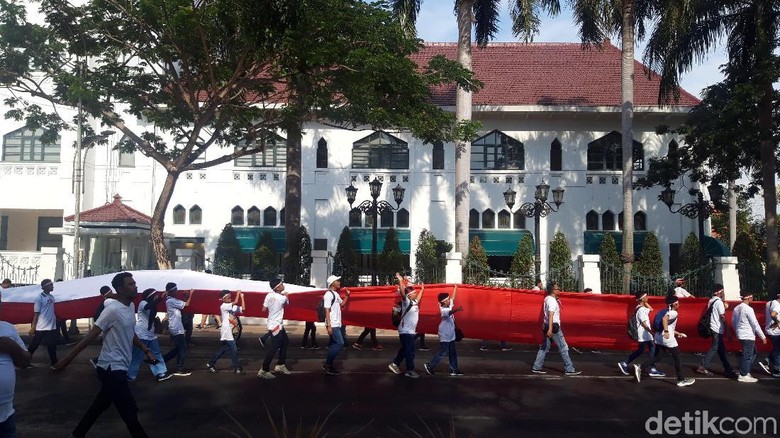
pixel 727 275
pixel 590 275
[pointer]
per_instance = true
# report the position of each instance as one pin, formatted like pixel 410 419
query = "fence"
pixel 753 279
pixel 21 270
pixel 699 282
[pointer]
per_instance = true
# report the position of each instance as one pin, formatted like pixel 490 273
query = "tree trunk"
pixel 292 197
pixel 767 150
pixel 463 148
pixel 627 130
pixel 158 222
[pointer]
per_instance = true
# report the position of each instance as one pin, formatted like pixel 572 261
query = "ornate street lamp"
pixel 700 209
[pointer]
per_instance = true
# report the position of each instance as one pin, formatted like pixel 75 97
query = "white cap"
pixel 332 278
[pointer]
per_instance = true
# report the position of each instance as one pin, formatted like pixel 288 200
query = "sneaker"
pixel 182 373
pixel 538 371
pixel 211 368
pixel 731 375
pixel 357 346
pixel 412 374
pixel 379 348
pixel 304 347
pixel 424 348
pixel 394 368
pixel 573 373
pixel 595 351
pixel 765 367
pixel 506 348
pixel 638 372
pixel 747 379
pixel 238 371
pixel 263 374
pixel 163 376
pixel 282 370
pixel 456 373
pixel 656 373
pixel 576 350
pixel 703 371
pixel 332 371
pixel 623 368
pixel 686 382
pixel 776 375
pixel 483 348
pixel 262 344
pixel 314 347
pixel 93 361
pixel 131 380
pixel 428 369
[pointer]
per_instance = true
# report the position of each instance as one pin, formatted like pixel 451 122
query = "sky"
pixel 437 23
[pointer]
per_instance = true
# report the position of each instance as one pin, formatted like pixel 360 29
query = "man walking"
pixel 43 328
pixel 665 325
pixel 552 332
pixel 773 332
pixel 746 326
pixel 226 309
pixel 174 306
pixel 333 305
pixel 12 354
pixel 717 327
pixel 644 333
pixel 117 322
pixel 407 329
pixel 274 304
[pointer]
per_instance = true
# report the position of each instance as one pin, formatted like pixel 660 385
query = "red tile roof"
pixel 549 74
pixel 112 212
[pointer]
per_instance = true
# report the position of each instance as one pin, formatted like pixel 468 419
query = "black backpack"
pixel 321 307
pixel 704 322
pixel 399 312
pixel 633 327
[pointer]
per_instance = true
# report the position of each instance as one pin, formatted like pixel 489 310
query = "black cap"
pixel 171 287
pixel 639 294
pixel 104 290
pixel 148 292
pixel 274 282
pixel 671 299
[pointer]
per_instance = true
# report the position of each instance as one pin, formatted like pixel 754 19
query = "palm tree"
pixel 484 14
pixel 685 32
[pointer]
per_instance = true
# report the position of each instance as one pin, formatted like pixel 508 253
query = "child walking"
pixel 227 308
pixel 446 334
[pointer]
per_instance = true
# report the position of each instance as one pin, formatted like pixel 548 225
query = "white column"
pixel 48 265
pixel 727 275
pixel 454 270
pixel 319 268
pixel 590 275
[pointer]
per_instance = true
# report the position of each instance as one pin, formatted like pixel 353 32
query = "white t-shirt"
pixel 408 325
pixel 551 304
pixel 745 323
pixel 275 303
pixel 142 323
pixel 680 292
pixel 226 330
pixel 718 310
pixel 333 302
pixel 772 306
pixel 7 372
pixel 174 307
pixel 671 326
pixel 447 324
pixel 118 324
pixel 44 306
pixel 643 314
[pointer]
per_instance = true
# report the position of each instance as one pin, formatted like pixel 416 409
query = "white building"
pixel 550 112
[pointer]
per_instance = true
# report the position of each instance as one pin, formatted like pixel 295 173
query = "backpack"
pixel 321 307
pixel 633 327
pixel 704 322
pixel 658 321
pixel 399 312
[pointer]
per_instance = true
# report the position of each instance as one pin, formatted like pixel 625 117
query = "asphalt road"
pixel 497 397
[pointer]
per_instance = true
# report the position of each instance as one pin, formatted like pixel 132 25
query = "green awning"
pixel 248 237
pixel 593 241
pixel 361 237
pixel 500 242
pixel 715 248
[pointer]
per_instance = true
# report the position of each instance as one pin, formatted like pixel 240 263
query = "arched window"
pixel 322 154
pixel 592 221
pixel 402 218
pixel 25 145
pixel 179 214
pixel 380 150
pixel 488 219
pixel 387 219
pixel 473 219
pixel 237 216
pixel 274 154
pixel 640 221
pixel 196 215
pixel 606 153
pixel 608 221
pixel 519 220
pixel 674 152
pixel 556 155
pixel 355 218
pixel 620 221
pixel 438 156
pixel 269 217
pixel 281 217
pixel 253 217
pixel 497 151
pixel 504 219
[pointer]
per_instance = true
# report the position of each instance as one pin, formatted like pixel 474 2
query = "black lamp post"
pixel 700 208
pixel 375 208
pixel 539 208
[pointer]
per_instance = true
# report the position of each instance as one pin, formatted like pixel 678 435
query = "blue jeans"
pixel 227 346
pixel 650 345
pixel 774 356
pixel 138 357
pixel 336 344
pixel 179 351
pixel 406 352
pixel 8 427
pixel 748 356
pixel 560 341
pixel 445 348
pixel 719 347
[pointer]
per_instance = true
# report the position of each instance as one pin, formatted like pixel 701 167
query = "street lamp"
pixel 539 208
pixel 701 208
pixel 375 208
pixel 78 168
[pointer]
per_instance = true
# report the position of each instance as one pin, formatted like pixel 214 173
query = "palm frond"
pixel 485 20
pixel 406 12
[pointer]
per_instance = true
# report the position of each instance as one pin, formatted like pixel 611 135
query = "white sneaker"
pixel 747 379
pixel 394 368
pixel 265 374
pixel 686 382
pixel 765 367
pixel 638 372
pixel 623 368
pixel 282 369
pixel 413 374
